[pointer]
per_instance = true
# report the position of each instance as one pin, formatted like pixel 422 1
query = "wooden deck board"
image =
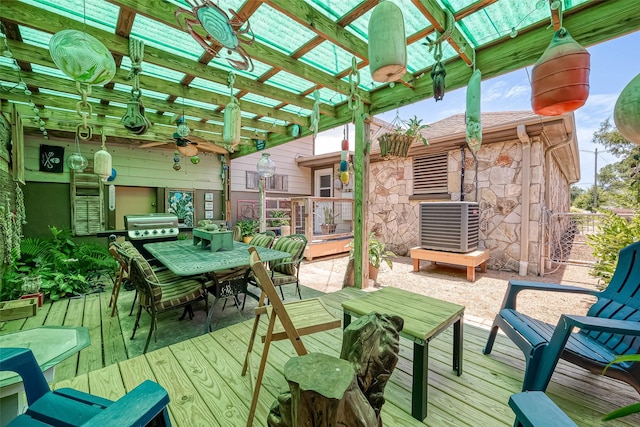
pixel 203 378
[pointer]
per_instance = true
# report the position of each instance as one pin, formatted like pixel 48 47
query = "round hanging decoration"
pixel 295 131
pixel 344 166
pixel 387 43
pixel 344 177
pixel 474 124
pixel 82 57
pixel 232 124
pixel 345 145
pixel 195 160
pixel 113 175
pixel 626 113
pixel 560 78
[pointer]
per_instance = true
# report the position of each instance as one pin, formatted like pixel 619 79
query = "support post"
pixel 361 199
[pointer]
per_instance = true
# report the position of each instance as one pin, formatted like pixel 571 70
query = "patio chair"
pixel 237 233
pixel 610 328
pixel 145 404
pixel 264 240
pixel 286 321
pixel 160 295
pixel 286 271
pixel 535 409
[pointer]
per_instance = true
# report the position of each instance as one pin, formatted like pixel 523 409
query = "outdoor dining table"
pixel 225 267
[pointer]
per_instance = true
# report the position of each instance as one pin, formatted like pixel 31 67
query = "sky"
pixel 613 65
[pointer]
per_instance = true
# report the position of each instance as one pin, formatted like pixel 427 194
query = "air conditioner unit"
pixel 449 226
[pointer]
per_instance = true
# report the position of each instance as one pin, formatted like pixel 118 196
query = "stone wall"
pixel 394 217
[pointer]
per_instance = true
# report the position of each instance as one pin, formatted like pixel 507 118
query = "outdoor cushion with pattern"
pixel 262 240
pixel 295 248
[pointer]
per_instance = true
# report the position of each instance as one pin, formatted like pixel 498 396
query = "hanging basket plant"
pixel 404 134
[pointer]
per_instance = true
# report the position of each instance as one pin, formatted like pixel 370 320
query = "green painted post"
pixel 361 199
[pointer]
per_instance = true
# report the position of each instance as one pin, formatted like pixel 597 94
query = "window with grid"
pixel 430 174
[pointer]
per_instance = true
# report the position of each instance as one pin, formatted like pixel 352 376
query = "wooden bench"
pixel 471 259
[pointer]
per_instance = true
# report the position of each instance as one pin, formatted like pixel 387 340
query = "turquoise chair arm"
pixel 23 362
pixel 136 408
pixel 535 409
pixel 517 286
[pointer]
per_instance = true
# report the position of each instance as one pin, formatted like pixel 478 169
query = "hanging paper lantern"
pixel 387 43
pixel 102 163
pixel 82 57
pixel 626 113
pixel 473 116
pixel 560 78
pixel 232 124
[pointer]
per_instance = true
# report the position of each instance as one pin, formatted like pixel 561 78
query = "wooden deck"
pixel 202 375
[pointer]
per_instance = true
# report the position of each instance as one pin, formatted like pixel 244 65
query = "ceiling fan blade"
pixel 188 150
pixel 213 148
pixel 151 144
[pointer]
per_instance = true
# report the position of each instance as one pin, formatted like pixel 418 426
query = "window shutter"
pixel 273 183
pixel 430 174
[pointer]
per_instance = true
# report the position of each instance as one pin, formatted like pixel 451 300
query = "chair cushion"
pixel 295 248
pixel 280 279
pixel 179 293
pixel 262 240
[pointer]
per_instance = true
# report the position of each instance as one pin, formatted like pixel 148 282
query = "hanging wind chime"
pixel 387 43
pixel 315 114
pixel 560 78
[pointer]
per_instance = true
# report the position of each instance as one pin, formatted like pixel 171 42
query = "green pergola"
pixel 300 47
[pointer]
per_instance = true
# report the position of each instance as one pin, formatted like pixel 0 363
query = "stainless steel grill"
pixel 152 227
pixel 148 228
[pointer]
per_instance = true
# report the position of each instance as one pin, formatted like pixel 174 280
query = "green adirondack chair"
pixel 610 328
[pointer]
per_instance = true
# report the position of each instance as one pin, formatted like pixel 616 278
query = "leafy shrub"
pixel 65 268
pixel 614 234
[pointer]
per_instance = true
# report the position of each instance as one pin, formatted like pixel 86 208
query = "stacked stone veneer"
pixel 394 217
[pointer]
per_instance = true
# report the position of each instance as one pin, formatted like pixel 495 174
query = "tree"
pixel 575 192
pixel 620 180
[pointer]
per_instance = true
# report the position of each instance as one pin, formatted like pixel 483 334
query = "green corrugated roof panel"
pixel 212 86
pixel 335 9
pixel 279 31
pixel 221 64
pixel 35 37
pixel 165 38
pixel 272 121
pixel 99 13
pixel 328 57
pixel 195 103
pixel 327 96
pixel 55 72
pixel 146 93
pixel 284 80
pixel 262 100
pixel 153 70
pixel 297 110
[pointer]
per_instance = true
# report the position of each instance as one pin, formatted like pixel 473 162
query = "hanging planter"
pixel 232 124
pixel 387 43
pixel 626 113
pixel 394 145
pixel 560 78
pixel 405 133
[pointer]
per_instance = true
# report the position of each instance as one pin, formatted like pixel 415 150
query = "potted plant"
pixel 328 225
pixel 377 254
pixel 285 229
pixel 404 134
pixel 247 229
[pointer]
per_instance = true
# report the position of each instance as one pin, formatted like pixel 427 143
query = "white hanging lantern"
pixel 102 163
pixel 387 43
pixel 232 123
